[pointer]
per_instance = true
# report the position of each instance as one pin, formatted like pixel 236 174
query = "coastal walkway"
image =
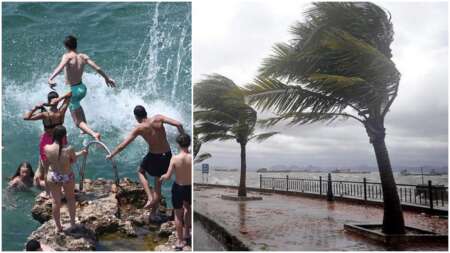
pixel 283 222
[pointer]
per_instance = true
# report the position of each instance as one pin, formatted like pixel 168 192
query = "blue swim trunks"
pixel 78 93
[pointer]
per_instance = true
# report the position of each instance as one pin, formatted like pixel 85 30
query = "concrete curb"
pixel 230 241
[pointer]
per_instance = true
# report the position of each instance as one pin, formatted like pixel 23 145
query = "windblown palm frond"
pixel 339 57
pixel 223 114
pixel 364 20
pixel 197 145
pixel 266 93
pixel 202 157
pixel 303 118
pixel 225 117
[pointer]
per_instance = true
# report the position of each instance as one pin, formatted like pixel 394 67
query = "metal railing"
pixel 83 166
pixel 430 196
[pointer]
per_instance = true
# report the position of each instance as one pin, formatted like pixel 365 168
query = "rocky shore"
pixel 103 209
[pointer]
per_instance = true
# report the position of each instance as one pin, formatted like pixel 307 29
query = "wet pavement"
pixel 203 241
pixel 280 222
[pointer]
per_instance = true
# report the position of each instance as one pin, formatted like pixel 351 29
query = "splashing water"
pixel 145 47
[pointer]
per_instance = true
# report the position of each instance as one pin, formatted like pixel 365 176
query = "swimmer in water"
pixel 73 64
pixel 22 178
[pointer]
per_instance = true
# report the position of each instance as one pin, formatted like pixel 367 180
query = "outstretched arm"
pixel 169 171
pixel 66 102
pixel 58 70
pixel 109 82
pixel 172 122
pixel 124 143
pixel 81 152
pixel 73 156
pixel 31 116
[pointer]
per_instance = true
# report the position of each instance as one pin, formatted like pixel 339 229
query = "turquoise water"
pixel 145 47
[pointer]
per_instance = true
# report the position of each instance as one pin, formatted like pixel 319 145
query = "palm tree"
pixel 337 65
pixel 197 145
pixel 224 115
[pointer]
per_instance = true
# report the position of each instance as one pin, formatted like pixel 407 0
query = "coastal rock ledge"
pixel 101 209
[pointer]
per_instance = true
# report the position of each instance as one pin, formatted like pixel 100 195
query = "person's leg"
pixel 187 220
pixel 147 189
pixel 41 177
pixel 55 190
pixel 69 191
pixel 38 177
pixel 80 121
pixel 179 226
pixel 156 197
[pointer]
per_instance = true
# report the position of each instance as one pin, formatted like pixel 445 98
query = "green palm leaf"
pixel 202 157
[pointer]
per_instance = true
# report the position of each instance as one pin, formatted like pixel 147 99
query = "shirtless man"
pixel 156 162
pixel 73 64
pixel 181 190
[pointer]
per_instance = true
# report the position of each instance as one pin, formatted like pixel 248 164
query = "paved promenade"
pixel 280 222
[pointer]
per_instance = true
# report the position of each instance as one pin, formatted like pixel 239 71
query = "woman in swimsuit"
pixel 50 119
pixel 22 178
pixel 60 174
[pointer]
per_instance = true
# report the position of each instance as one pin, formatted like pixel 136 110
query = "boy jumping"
pixel 73 64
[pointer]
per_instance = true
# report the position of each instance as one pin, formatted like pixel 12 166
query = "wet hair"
pixel 58 135
pixel 70 42
pixel 139 112
pixel 184 140
pixel 23 164
pixel 52 95
pixel 33 245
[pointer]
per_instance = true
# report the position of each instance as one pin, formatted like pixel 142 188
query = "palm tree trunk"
pixel 242 192
pixel 393 222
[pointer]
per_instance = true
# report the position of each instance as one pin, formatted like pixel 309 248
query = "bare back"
pixel 52 118
pixel 182 164
pixel 153 131
pixel 60 164
pixel 74 68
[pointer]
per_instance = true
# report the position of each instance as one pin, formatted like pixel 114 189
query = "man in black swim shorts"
pixel 157 161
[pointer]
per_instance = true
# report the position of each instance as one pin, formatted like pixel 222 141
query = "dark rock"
pixel 99 210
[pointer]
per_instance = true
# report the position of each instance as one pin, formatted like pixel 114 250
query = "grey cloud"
pixel 417 125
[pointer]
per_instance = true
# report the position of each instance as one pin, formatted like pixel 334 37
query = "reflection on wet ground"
pixel 280 222
pixel 203 241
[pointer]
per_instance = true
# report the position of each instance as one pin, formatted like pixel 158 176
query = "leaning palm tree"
pixel 197 145
pixel 224 115
pixel 338 64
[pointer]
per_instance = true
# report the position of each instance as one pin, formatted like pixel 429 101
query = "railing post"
pixel 260 181
pixel 430 194
pixel 287 183
pixel 330 189
pixel 320 183
pixel 365 189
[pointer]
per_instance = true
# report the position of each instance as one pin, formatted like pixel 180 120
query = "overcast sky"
pixel 232 37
